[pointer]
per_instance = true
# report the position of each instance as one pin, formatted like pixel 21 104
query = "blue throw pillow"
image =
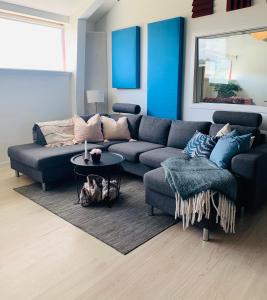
pixel 233 133
pixel 227 147
pixel 200 145
pixel 244 142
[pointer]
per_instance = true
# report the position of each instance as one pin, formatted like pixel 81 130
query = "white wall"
pixel 96 67
pixel 140 12
pixel 27 97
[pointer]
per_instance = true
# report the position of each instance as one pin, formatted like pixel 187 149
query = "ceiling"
pixel 63 7
pixel 94 14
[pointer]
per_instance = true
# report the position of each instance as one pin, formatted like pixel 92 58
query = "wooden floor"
pixel 44 257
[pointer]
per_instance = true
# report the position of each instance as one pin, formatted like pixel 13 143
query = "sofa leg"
pixel 44 187
pixel 17 173
pixel 206 235
pixel 150 210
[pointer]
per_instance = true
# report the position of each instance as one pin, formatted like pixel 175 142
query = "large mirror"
pixel 232 68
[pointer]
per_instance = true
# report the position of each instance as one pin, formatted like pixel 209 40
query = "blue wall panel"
pixel 126 58
pixel 165 67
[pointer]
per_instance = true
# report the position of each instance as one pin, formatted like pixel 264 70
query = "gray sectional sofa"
pixel 156 140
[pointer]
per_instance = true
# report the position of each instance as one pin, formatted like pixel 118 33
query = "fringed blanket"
pixel 58 133
pixel 195 182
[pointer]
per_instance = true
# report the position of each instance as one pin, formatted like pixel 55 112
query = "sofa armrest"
pixel 252 169
pixel 248 165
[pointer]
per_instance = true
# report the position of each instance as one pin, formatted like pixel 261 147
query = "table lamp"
pixel 94 96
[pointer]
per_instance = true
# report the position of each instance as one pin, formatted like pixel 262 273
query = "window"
pixel 31 44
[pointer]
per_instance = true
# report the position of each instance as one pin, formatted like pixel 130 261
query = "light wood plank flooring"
pixel 44 257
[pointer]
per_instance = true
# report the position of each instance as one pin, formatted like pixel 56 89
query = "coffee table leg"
pixel 77 187
pixel 108 197
pixel 118 181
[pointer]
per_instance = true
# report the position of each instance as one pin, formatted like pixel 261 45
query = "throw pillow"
pixel 57 133
pixel 115 130
pixel 90 131
pixel 233 133
pixel 200 145
pixel 224 131
pixel 252 140
pixel 38 136
pixel 227 147
pixel 244 142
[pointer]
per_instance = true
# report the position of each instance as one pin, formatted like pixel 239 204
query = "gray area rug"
pixel 124 226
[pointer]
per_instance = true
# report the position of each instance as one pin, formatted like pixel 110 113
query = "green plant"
pixel 227 90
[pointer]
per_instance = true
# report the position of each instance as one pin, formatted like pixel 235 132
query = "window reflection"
pixel 232 69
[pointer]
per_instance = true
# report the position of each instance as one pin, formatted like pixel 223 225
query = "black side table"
pixel 109 168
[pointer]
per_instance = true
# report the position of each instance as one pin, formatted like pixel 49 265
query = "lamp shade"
pixel 94 96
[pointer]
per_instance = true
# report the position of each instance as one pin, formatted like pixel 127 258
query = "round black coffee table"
pixel 109 168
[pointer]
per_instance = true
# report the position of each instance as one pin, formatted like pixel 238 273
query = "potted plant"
pixel 227 90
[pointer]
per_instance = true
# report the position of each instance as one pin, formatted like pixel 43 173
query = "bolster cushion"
pixel 126 108
pixel 237 118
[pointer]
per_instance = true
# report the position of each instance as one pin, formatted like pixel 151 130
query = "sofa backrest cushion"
pixel 154 130
pixel 237 118
pixel 133 123
pixel 182 131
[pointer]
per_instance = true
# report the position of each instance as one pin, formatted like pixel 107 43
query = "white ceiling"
pixel 63 7
pixel 95 13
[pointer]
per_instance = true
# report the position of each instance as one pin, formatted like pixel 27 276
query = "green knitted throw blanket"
pixel 195 182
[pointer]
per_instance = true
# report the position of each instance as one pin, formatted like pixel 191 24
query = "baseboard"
pixel 2 163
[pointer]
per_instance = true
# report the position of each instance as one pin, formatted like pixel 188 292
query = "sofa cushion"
pixel 41 158
pixel 155 181
pixel 182 131
pixel 132 150
pixel 154 130
pixel 155 157
pixel 237 118
pixel 107 144
pixel 133 123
